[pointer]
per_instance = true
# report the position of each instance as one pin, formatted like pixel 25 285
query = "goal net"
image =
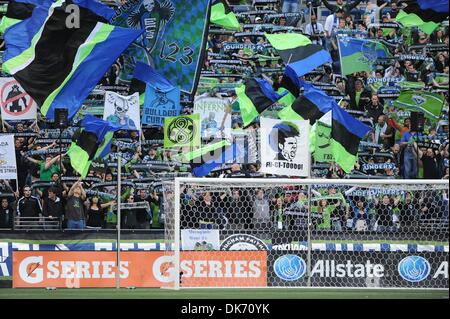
pixel 306 233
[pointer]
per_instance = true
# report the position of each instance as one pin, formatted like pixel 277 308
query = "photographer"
pixel 315 30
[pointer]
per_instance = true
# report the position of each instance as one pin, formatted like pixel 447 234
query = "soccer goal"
pixel 306 233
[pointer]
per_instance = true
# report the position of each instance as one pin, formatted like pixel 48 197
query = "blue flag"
pixel 228 154
pixel 59 65
pixel 359 55
pixel 162 99
pixel 173 41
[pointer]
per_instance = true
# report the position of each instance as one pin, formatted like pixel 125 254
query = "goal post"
pixel 234 232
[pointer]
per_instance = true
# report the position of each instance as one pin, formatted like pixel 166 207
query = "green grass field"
pixel 275 293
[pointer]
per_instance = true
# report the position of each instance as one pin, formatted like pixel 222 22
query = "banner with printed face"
pixel 173 41
pixel 285 147
pixel 159 104
pixel 15 103
pixel 215 116
pixel 122 110
pixel 83 269
pixel 8 168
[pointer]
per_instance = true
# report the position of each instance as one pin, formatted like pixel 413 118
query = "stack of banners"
pixel 424 14
pixel 215 116
pixel 173 41
pixel 182 131
pixel 8 166
pixel 222 15
pixel 346 133
pixel 283 145
pixel 430 104
pixel 122 110
pixel 57 64
pixel 210 156
pixel 299 54
pixel 255 96
pixel 91 141
pixel 357 55
pixel 15 103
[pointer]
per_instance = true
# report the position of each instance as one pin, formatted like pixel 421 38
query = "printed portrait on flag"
pixel 284 147
pixel 215 116
pixel 175 34
pixel 122 110
pixel 160 103
pixel 16 104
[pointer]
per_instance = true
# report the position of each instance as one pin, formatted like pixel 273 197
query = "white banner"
pixel 122 110
pixel 16 104
pixel 215 116
pixel 285 147
pixel 200 239
pixel 8 169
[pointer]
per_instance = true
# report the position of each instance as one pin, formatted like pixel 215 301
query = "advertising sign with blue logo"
pixel 358 269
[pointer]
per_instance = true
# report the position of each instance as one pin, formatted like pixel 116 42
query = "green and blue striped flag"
pixel 255 96
pixel 359 55
pixel 58 65
pixel 346 134
pixel 298 53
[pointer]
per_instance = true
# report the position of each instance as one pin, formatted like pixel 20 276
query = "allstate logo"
pixel 289 267
pixel 414 268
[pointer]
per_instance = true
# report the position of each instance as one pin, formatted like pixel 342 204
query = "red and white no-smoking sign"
pixel 15 103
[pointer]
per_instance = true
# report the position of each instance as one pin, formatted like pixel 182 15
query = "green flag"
pixel 413 20
pixel 180 131
pixel 420 101
pixel 222 15
pixel 322 147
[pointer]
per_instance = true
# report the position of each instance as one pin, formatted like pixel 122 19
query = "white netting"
pixel 283 233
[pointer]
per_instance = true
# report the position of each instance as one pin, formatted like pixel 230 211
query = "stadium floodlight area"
pixel 306 233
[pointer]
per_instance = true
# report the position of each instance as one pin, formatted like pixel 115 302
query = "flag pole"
pixel 119 193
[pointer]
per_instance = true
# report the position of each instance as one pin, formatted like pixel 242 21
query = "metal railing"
pixel 37 223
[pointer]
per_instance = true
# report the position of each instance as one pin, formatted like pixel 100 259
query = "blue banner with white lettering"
pixel 173 41
pixel 160 103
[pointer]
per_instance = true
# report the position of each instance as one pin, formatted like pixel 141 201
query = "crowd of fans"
pixel 48 187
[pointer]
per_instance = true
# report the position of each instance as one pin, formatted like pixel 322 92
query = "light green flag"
pixel 420 101
pixel 409 20
pixel 222 15
pixel 181 131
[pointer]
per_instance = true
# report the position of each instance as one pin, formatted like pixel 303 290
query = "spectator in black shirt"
pixel 384 214
pixel 27 205
pixel 374 108
pixel 430 164
pixel 359 96
pixel 206 209
pixel 53 206
pixel 6 214
pixel 143 216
